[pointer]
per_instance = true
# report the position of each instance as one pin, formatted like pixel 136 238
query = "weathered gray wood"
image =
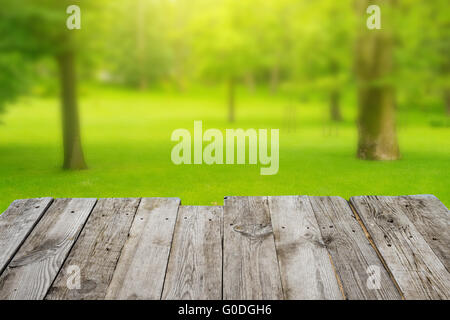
pixel 354 259
pixel 194 271
pixel 31 272
pixel 432 219
pixel 124 254
pixel 416 268
pixel 16 224
pixel 97 251
pixel 305 266
pixel 142 265
pixel 250 266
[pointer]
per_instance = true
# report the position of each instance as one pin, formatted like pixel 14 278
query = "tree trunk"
pixel 376 97
pixel 250 82
pixel 141 44
pixel 73 152
pixel 447 101
pixel 335 110
pixel 445 70
pixel 274 79
pixel 231 99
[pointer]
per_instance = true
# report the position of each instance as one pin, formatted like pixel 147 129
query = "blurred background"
pixel 90 112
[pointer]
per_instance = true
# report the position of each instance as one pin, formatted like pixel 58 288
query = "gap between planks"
pixel 403 240
pixel 363 227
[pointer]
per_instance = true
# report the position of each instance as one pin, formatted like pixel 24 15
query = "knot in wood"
pixel 254 231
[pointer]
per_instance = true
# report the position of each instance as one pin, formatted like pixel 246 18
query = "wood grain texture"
pixel 416 268
pixel 194 271
pixel 97 250
pixel 305 266
pixel 250 266
pixel 16 224
pixel 33 269
pixel 431 218
pixel 353 257
pixel 142 265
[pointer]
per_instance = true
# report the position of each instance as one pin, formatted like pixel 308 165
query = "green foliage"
pixel 423 53
pixel 305 46
pixel 137 45
pixel 13 77
pixel 33 30
pixel 332 56
pixel 29 31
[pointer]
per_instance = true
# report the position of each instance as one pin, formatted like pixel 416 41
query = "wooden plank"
pixel 354 259
pixel 194 271
pixel 250 267
pixel 142 265
pixel 305 266
pixel 431 218
pixel 97 251
pixel 31 272
pixel 416 268
pixel 16 224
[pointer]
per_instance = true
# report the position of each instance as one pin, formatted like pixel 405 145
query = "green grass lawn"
pixel 126 137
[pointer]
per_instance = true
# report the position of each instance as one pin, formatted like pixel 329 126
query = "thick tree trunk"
pixel 231 99
pixel 377 134
pixel 335 109
pixel 376 97
pixel 73 152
